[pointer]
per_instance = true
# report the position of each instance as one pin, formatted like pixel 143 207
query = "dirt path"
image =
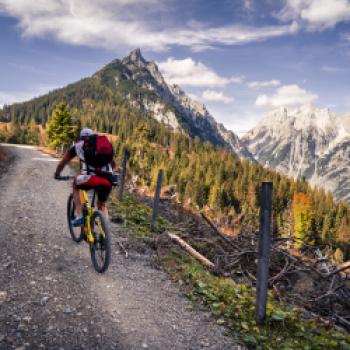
pixel 51 298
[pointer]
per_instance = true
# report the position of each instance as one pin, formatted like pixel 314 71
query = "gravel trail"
pixel 50 296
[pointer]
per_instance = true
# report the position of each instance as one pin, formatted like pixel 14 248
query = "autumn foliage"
pixel 302 218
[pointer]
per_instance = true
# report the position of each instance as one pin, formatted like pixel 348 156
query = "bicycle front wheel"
pixel 77 233
pixel 101 248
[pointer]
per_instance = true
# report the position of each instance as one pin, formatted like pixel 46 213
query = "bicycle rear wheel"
pixel 77 233
pixel 101 248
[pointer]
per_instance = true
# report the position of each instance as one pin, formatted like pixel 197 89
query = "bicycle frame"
pixel 88 210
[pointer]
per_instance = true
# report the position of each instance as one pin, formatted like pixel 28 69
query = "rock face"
pixel 170 104
pixel 305 142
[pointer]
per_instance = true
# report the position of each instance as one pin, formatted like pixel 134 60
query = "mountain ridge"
pixel 138 83
pixel 304 142
pixel 195 111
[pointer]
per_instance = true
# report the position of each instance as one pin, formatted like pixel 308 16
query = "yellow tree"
pixel 303 217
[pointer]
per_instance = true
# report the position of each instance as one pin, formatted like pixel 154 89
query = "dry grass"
pixel 3 126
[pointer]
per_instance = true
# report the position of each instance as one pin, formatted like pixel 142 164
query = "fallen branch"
pixel 280 274
pixel 223 236
pixel 237 258
pixel 121 246
pixel 191 250
pixel 343 321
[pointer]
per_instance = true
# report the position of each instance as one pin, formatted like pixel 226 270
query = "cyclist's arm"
pixel 65 160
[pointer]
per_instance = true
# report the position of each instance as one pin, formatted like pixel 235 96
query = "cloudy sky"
pixel 239 57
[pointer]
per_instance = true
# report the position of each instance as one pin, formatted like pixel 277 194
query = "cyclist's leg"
pixel 80 182
pixel 103 207
pixel 102 196
pixel 77 200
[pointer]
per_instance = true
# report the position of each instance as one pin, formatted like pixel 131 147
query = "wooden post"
pixel 122 180
pixel 264 252
pixel 156 199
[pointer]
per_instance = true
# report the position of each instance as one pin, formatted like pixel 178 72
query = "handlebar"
pixel 64 178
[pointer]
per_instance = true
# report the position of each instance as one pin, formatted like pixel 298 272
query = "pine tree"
pixel 60 129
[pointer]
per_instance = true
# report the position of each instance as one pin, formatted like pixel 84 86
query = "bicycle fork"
pixel 87 225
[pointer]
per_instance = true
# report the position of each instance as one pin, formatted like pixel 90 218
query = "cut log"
pixel 191 250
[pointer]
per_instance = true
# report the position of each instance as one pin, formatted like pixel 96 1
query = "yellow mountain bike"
pixel 95 230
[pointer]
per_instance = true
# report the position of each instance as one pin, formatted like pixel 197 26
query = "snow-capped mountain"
pixel 305 142
pixel 175 108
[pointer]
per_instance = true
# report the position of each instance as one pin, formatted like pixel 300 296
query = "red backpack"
pixel 98 151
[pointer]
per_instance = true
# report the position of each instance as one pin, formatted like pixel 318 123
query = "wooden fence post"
pixel 264 252
pixel 122 180
pixel 156 199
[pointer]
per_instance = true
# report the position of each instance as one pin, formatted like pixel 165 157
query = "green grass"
pixel 136 217
pixel 232 304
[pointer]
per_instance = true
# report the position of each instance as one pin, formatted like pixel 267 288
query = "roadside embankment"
pixel 6 158
pixel 2 154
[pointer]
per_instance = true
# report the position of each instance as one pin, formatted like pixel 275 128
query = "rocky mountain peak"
pixel 305 141
pixel 169 104
pixel 135 57
pixel 302 119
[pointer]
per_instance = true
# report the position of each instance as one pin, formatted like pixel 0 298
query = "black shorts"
pixel 102 186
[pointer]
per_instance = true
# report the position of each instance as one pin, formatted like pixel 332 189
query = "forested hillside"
pixel 211 178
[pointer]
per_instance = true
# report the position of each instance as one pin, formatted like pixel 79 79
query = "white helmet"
pixel 85 132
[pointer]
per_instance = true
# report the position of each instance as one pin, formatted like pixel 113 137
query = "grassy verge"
pixel 135 216
pixel 231 303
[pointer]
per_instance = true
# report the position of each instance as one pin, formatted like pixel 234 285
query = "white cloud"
pixel 316 14
pixel 331 69
pixel 248 5
pixel 240 119
pixel 193 96
pixel 191 73
pixel 216 96
pixel 7 97
pixel 263 84
pixel 114 24
pixel 287 95
pixel 346 36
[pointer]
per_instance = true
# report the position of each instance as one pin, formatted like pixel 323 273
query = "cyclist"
pixel 89 177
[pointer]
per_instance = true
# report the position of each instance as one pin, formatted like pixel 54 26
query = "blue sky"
pixel 239 57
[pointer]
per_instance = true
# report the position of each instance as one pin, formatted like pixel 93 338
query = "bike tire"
pixel 77 237
pixel 101 248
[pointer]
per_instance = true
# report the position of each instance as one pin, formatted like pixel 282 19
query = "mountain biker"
pixel 89 177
